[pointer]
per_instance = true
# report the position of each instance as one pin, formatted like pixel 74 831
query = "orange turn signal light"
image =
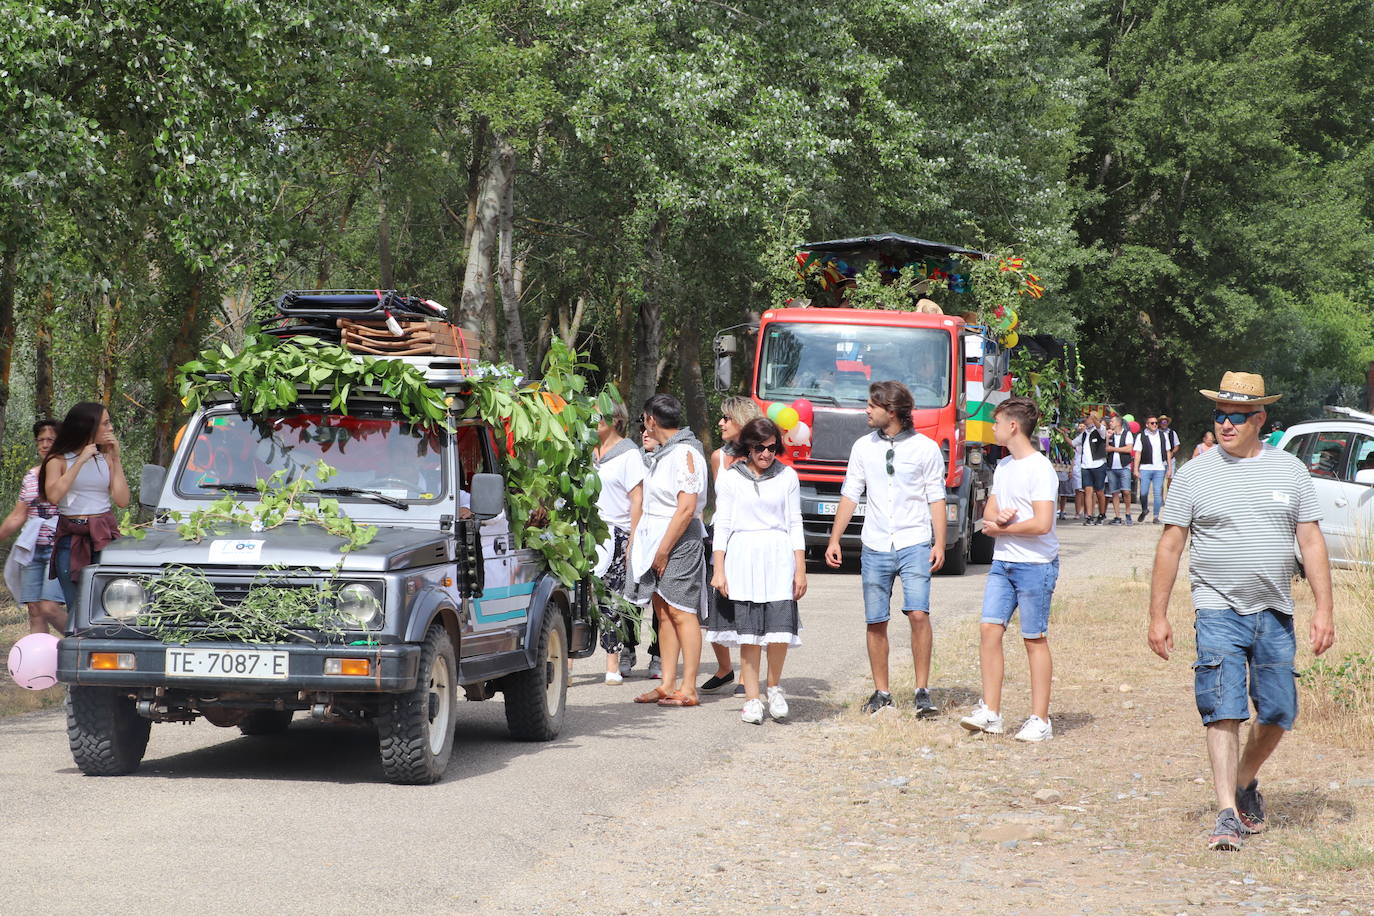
pixel 348 667
pixel 113 661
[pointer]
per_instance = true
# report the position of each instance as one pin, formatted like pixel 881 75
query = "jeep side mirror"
pixel 726 346
pixel 488 495
pixel 150 485
pixel 1365 477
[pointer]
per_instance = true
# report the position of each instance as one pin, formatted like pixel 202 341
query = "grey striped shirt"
pixel 1243 514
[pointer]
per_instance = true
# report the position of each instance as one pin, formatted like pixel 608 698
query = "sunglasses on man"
pixel 1237 417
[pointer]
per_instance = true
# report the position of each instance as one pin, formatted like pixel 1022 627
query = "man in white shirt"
pixel 1094 443
pixel 1150 464
pixel 903 475
pixel 1025 569
pixel 1120 447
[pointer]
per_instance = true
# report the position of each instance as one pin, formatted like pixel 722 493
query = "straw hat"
pixel 1240 388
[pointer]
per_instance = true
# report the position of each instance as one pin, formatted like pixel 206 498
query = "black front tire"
pixel 536 700
pixel 982 548
pixel 415 731
pixel 266 721
pixel 107 735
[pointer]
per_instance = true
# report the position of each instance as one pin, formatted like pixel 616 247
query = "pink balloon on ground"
pixel 33 661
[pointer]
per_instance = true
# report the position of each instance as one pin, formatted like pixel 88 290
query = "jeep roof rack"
pixel 1350 413
pixel 356 303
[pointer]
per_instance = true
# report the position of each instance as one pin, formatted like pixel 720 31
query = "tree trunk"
pixel 8 281
pixel 167 409
pixel 383 236
pixel 475 310
pixel 649 323
pixel 109 368
pixel 624 342
pixel 693 388
pixel 506 276
pixel 42 352
pixel 479 151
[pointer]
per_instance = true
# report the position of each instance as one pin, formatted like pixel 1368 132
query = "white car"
pixel 1339 453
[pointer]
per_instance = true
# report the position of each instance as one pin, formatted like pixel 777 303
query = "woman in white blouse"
pixel 760 564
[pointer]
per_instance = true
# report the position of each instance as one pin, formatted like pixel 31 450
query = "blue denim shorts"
pixel 34 582
pixel 880 571
pixel 1027 586
pixel 1235 648
pixel 1118 480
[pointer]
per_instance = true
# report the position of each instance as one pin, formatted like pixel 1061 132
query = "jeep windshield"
pixel 836 362
pixel 372 456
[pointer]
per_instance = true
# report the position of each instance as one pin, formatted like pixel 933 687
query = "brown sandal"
pixel 653 696
pixel 679 699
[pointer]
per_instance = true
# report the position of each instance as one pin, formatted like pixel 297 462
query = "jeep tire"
pixel 266 721
pixel 536 698
pixel 105 731
pixel 415 730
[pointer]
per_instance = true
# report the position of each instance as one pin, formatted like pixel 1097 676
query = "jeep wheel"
pixel 266 721
pixel 535 699
pixel 415 730
pixel 106 734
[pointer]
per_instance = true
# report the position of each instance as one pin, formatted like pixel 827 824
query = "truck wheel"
pixel 266 721
pixel 956 557
pixel 981 550
pixel 415 730
pixel 106 734
pixel 535 699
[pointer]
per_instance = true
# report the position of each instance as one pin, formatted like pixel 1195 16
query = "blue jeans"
pixel 1152 480
pixel 63 550
pixel 1028 586
pixel 880 571
pixel 1233 648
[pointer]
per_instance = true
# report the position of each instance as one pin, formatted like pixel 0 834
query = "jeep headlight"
pixel 359 606
pixel 123 599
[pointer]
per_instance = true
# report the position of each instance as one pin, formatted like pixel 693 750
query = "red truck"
pixel 828 356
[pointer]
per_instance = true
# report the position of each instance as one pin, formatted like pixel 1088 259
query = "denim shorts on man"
pixel 1027 587
pixel 882 568
pixel 1233 648
pixel 1095 478
pixel 1118 480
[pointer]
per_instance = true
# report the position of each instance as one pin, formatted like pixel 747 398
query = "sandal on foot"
pixel 679 699
pixel 653 696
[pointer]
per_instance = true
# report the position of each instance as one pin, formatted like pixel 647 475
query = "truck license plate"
pixel 246 663
pixel 832 508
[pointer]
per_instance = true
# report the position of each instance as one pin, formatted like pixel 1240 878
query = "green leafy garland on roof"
pixel 548 425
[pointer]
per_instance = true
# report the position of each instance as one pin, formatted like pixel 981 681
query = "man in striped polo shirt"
pixel 1243 503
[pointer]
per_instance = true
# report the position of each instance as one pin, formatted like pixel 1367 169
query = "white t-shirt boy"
pixel 1018 483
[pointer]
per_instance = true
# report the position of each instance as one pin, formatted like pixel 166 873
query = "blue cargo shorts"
pixel 1028 587
pixel 880 571
pixel 1245 653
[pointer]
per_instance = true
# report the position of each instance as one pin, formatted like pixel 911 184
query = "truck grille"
pixel 835 433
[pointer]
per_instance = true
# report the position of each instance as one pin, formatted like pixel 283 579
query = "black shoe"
pixel 1087 519
pixel 1116 521
pixel 878 702
pixel 1250 808
pixel 1143 512
pixel 924 707
pixel 715 682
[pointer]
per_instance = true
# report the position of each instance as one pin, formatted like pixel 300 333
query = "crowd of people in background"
pixel 1115 462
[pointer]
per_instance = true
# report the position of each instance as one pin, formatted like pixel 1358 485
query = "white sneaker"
pixel 1035 729
pixel 613 677
pixel 752 713
pixel 777 703
pixel 983 719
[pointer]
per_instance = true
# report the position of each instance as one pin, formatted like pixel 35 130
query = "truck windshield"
pixel 388 456
pixel 839 361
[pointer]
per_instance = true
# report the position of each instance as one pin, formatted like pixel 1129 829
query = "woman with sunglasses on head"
pixel 760 564
pixel 84 476
pixel 27 570
pixel 735 412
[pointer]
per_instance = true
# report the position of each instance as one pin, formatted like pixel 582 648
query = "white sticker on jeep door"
pixel 236 551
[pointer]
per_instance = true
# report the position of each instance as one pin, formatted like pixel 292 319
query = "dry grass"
pixel 1336 691
pixel 14 624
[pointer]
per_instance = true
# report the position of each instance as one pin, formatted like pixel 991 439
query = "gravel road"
pixel 303 822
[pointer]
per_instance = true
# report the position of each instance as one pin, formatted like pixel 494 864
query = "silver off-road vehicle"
pixel 439 600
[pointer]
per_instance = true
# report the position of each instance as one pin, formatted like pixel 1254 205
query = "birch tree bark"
pixel 506 273
pixel 475 307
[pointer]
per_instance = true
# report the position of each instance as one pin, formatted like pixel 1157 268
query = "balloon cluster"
pixel 1131 424
pixel 1005 325
pixel 793 419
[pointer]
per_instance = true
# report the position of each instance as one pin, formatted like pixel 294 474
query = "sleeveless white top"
pixel 90 492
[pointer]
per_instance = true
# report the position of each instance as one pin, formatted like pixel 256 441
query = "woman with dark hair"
pixel 667 556
pixel 27 569
pixel 760 564
pixel 84 476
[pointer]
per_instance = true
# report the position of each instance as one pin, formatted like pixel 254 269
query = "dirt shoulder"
pixel 852 814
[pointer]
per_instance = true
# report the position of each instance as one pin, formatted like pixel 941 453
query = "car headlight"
pixel 123 598
pixel 359 606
